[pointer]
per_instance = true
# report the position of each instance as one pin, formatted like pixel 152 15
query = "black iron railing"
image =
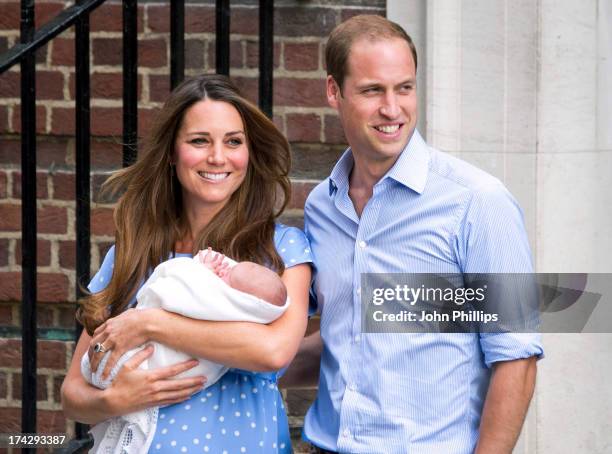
pixel 23 53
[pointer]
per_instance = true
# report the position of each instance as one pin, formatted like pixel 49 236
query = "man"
pixel 394 205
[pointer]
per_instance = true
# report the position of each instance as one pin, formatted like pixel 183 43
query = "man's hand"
pixel 505 407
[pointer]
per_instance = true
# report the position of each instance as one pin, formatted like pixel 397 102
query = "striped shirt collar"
pixel 410 169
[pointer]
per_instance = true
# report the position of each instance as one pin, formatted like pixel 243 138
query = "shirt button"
pixel 362 244
pixel 353 387
pixel 346 433
pixel 357 338
pixel 359 291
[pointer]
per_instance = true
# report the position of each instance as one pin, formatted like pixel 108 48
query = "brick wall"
pixel 300 111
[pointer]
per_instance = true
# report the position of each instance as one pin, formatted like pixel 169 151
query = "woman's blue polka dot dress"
pixel 243 412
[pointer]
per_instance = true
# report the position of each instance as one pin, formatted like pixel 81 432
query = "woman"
pixel 214 174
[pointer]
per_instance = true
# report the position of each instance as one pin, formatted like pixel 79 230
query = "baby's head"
pixel 257 280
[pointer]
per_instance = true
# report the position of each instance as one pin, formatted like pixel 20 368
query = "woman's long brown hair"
pixel 149 216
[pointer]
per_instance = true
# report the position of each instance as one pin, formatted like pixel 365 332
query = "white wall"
pixel 523 89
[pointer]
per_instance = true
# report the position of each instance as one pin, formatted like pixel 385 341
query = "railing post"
pixel 82 122
pixel 177 42
pixel 222 37
pixel 28 224
pixel 266 55
pixel 130 81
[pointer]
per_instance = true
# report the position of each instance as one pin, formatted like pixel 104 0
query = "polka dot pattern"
pixel 243 412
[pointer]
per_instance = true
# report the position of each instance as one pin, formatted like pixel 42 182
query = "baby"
pixel 208 286
pixel 247 277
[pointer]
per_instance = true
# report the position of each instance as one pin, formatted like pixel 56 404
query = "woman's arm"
pixel 251 346
pixel 132 390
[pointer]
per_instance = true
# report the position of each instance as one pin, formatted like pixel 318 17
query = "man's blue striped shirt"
pixel 414 393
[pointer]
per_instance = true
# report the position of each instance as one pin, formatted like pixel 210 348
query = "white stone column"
pixel 523 89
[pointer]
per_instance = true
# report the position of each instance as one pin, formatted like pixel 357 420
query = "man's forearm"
pixel 506 404
pixel 304 369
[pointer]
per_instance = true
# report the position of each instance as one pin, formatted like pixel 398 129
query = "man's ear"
pixel 333 92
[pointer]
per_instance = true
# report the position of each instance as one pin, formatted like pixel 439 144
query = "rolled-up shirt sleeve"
pixel 491 238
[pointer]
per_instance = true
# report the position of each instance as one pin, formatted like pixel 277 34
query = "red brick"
pixel 51 354
pixel 51 421
pixel 57 387
pixel 51 288
pixel 109 17
pixel 44 316
pixel 51 153
pixel 334 133
pixel 64 186
pixel 43 252
pixel 44 12
pixel 3 186
pixel 102 222
pixel 41 385
pixel 41 54
pixel 3 387
pixel 67 254
pixel 107 51
pixel 300 92
pixel 252 54
pixel 41 119
pixel 194 53
pixel 248 86
pixel 299 193
pixel 146 118
pixel 10 151
pixel 6 315
pixel 4 116
pixel 303 127
pixel 10 217
pixel 299 21
pixel 62 52
pixel 245 21
pixel 52 219
pixel 106 121
pixel 152 53
pixel 235 54
pixel 159 88
pixel 67 317
pixel 301 56
pixel 49 85
pixel 62 121
pixel 41 185
pixel 106 154
pixel 11 419
pixel 105 85
pixel 10 14
pixel 10 351
pixel 97 193
pixel 4 253
pixel 198 18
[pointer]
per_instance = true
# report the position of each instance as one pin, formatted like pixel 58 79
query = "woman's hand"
pixel 135 389
pixel 119 334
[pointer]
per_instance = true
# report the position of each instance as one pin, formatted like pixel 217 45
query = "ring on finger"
pixel 99 348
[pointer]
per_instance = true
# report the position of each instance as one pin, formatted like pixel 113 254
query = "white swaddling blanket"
pixel 186 287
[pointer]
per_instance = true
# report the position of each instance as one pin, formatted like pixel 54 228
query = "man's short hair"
pixel 366 26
